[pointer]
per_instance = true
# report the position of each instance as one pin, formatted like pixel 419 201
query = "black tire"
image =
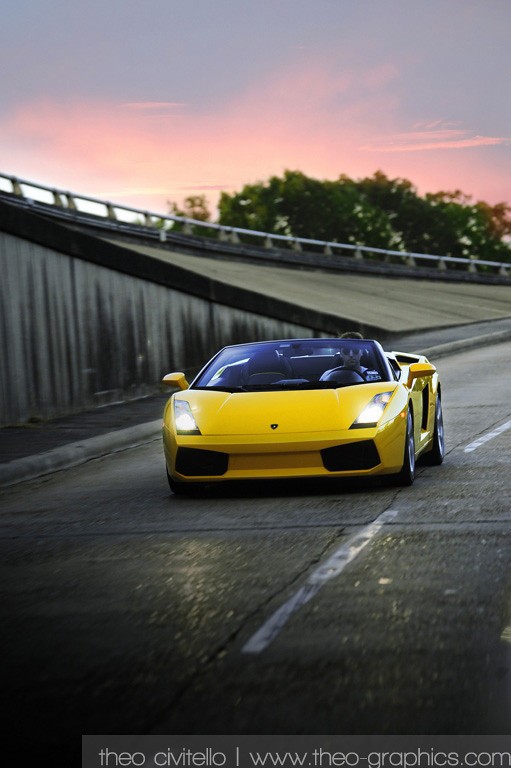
pixel 406 475
pixel 437 453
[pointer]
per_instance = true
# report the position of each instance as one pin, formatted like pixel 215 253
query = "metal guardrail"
pixel 110 215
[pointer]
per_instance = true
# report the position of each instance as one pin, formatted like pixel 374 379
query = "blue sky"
pixel 148 102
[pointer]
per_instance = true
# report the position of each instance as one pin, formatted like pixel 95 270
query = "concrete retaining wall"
pixel 76 335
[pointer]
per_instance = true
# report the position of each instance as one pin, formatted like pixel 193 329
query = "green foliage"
pixel 375 211
pixel 194 207
pixel 299 206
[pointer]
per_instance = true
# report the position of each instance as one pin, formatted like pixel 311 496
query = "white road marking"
pixel 327 570
pixel 489 436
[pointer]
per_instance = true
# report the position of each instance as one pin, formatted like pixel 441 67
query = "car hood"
pixel 223 413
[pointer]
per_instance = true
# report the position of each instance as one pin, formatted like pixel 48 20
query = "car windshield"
pixel 295 364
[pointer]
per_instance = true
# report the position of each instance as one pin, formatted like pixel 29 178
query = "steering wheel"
pixel 342 376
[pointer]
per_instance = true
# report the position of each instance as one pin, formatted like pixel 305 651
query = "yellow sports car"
pixel 303 408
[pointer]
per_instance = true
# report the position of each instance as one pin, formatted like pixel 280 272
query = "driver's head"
pixel 351 356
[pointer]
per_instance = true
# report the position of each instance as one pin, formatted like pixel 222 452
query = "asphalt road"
pixel 128 610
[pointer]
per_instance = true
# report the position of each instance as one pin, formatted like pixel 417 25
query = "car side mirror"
pixel 417 370
pixel 177 379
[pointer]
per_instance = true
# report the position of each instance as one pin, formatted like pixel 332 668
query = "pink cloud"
pixel 316 118
pixel 420 141
pixel 308 118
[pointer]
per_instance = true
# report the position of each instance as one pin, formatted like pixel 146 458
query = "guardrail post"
pixel 187 228
pixel 16 187
pixel 359 255
pixel 163 235
pixel 57 200
pixel 148 219
pixel 110 212
pixel 442 266
pixel 327 250
pixel 268 242
pixel 234 238
pixel 472 267
pixel 410 261
pixel 504 271
pixel 71 204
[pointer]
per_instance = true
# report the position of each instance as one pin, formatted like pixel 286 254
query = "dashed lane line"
pixel 327 570
pixel 488 436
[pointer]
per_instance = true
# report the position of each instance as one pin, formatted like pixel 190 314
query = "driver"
pixel 350 361
pixel 350 357
pixel 351 354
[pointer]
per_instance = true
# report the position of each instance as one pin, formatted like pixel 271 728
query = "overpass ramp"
pixel 386 305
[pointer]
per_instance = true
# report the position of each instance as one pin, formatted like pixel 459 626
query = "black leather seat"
pixel 266 367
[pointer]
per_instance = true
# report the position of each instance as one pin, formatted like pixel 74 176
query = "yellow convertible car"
pixel 303 408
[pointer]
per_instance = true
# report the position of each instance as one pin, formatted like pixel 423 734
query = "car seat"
pixel 267 367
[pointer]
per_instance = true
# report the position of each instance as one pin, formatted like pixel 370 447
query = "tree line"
pixel 375 211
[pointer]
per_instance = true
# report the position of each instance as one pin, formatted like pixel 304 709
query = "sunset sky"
pixel 141 102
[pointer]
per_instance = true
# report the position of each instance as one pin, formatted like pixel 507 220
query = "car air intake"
pixel 192 462
pixel 351 456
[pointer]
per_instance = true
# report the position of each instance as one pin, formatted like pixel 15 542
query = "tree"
pixel 498 218
pixel 194 207
pixel 375 211
pixel 465 229
pixel 299 206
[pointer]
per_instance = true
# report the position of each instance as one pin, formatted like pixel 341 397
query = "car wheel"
pixel 406 475
pixel 437 452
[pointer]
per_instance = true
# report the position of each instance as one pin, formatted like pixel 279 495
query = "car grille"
pixel 351 456
pixel 193 461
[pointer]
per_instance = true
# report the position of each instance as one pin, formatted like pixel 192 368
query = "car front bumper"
pixel 346 453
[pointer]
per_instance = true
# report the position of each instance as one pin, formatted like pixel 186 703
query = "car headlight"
pixel 183 417
pixel 373 411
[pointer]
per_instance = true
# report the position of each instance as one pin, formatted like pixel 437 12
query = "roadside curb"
pixel 451 347
pixel 73 454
